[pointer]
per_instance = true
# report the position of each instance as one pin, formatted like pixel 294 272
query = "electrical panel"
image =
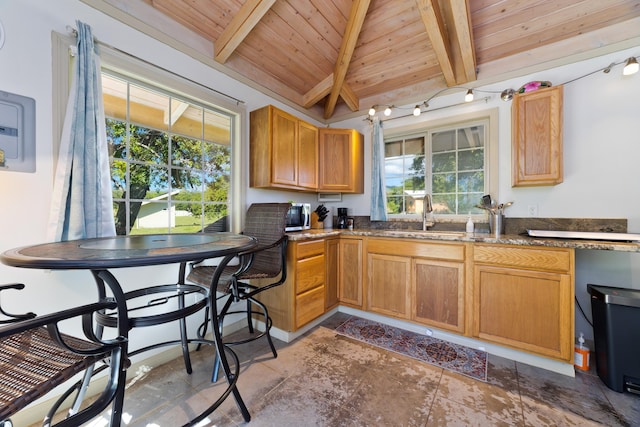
pixel 17 133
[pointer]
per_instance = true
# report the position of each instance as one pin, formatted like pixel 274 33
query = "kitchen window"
pixel 456 163
pixel 170 158
pixel 174 144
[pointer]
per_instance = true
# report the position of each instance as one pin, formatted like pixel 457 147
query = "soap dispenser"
pixel 469 227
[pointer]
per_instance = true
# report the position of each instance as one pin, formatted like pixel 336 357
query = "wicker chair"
pixel 266 222
pixel 35 357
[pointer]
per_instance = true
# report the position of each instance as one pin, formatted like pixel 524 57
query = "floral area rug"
pixel 454 357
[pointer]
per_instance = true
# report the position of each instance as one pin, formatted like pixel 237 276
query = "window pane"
pixel 443 141
pixel 467 203
pixel 186 218
pixel 148 145
pixel 395 204
pixel 470 182
pixel 444 203
pixel 471 137
pixel 186 152
pixel 393 149
pixel 217 127
pixel 471 159
pixel 148 108
pixel 414 146
pixel 444 183
pixel 444 162
pixel 186 119
pixel 114 97
pixel 147 182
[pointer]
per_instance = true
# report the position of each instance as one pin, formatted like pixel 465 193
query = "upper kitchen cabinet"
pixel 341 165
pixel 537 138
pixel 283 151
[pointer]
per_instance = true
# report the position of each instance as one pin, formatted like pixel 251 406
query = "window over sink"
pixel 454 160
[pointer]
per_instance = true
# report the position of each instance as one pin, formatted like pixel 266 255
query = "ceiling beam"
pixel 240 26
pixel 434 24
pixel 354 25
pixel 323 89
pixel 462 26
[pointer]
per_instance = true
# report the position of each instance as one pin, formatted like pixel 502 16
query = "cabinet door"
pixel 350 272
pixel 537 138
pixel 331 284
pixel 284 151
pixel 341 161
pixel 307 156
pixel 389 279
pixel 309 305
pixel 524 309
pixel 439 294
pixel 310 273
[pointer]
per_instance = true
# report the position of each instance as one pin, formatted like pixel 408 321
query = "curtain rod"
pixel 485 99
pixel 74 32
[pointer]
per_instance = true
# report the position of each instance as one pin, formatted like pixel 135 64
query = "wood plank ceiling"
pixel 331 58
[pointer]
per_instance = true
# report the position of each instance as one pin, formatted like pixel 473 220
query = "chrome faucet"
pixel 427 208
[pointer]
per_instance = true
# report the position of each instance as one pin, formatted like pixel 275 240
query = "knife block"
pixel 314 221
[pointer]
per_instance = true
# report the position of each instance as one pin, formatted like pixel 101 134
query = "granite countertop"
pixel 509 239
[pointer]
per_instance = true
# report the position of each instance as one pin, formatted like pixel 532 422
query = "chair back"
pixel 266 222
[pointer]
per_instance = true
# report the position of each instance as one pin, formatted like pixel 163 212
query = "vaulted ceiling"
pixel 334 59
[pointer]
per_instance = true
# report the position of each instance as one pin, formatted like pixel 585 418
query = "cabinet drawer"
pixel 412 248
pixel 309 305
pixel 547 259
pixel 310 272
pixel 310 248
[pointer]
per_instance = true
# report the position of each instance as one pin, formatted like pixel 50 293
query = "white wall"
pixel 600 155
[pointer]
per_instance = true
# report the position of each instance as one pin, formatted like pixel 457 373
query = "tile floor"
pixel 325 379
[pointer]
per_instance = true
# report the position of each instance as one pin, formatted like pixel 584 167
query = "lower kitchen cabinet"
pixel 523 298
pixel 439 289
pixel 350 272
pixel 331 253
pixel 417 280
pixel 389 290
pixel 302 297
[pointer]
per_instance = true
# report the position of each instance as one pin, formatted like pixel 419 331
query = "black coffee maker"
pixel 342 217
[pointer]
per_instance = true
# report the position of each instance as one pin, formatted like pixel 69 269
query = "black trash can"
pixel 616 332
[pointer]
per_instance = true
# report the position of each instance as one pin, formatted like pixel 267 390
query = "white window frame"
pixel 491 153
pixel 137 69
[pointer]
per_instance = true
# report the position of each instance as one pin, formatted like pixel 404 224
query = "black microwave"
pixel 299 217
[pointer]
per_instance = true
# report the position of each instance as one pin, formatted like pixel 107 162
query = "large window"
pixel 170 158
pixel 449 162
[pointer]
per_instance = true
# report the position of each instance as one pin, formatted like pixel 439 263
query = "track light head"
pixel 631 67
pixel 416 111
pixel 387 111
pixel 507 94
pixel 372 111
pixel 469 96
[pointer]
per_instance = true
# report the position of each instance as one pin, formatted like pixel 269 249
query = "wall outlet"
pixel 532 210
pixel 429 332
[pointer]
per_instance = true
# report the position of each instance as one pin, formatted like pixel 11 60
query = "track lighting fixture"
pixel 631 67
pixel 469 96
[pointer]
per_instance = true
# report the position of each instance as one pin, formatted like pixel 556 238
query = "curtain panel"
pixel 82 203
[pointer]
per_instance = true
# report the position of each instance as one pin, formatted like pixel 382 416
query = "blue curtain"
pixel 378 194
pixel 82 204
